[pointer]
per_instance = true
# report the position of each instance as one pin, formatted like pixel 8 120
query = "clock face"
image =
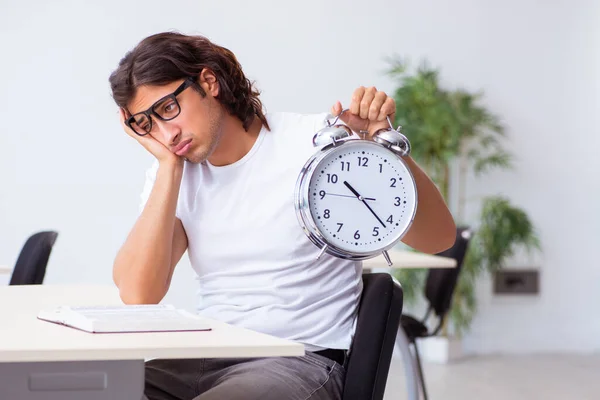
pixel 362 197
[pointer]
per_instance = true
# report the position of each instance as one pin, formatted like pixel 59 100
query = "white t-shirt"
pixel 256 267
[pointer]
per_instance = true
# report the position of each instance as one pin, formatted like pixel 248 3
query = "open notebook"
pixel 125 318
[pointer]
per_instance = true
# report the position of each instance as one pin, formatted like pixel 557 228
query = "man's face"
pixel 195 132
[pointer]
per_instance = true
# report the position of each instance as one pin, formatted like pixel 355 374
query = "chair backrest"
pixel 441 282
pixel 30 268
pixel 373 343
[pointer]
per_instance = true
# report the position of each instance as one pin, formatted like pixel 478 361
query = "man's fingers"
pixel 387 109
pixel 336 109
pixel 365 103
pixel 368 106
pixel 376 105
pixel 123 114
pixel 357 97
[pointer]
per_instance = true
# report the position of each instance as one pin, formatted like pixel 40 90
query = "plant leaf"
pixel 499 159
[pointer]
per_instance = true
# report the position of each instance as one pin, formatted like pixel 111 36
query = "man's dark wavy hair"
pixel 169 56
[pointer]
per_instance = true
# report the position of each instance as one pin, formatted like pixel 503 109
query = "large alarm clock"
pixel 355 198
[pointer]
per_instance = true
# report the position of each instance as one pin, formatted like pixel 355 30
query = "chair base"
pixel 440 349
pixel 421 375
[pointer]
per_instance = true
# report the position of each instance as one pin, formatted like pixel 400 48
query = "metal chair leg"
pixel 410 368
pixel 421 376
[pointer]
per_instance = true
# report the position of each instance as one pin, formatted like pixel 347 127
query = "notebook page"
pixel 132 312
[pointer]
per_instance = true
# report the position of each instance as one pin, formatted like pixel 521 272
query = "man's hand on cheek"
pixel 157 149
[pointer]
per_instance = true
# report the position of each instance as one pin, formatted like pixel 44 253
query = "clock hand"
pixel 345 195
pixel 364 202
pixel 352 190
pixel 370 209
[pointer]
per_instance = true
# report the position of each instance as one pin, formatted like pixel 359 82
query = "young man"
pixel 222 188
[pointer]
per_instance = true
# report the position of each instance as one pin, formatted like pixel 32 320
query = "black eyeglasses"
pixel 165 109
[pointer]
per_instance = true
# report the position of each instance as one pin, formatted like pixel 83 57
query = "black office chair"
pixel 30 268
pixel 373 343
pixel 439 288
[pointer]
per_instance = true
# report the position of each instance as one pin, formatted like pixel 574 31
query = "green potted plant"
pixel 452 133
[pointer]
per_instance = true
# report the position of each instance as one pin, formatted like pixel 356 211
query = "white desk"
pixel 409 259
pixel 41 360
pixel 5 270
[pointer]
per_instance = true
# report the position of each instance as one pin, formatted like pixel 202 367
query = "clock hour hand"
pixel 364 202
pixel 353 190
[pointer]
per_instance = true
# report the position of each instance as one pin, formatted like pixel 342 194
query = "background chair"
pixel 373 344
pixel 439 288
pixel 30 268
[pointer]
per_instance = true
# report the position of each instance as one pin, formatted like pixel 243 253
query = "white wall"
pixel 541 71
pixel 65 164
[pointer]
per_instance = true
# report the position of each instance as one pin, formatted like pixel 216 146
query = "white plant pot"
pixel 440 349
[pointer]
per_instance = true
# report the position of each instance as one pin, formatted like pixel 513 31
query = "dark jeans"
pixel 279 378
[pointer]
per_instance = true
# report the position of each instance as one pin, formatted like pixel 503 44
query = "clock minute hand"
pixel 364 202
pixel 347 195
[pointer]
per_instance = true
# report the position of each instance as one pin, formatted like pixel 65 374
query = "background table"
pixel 409 259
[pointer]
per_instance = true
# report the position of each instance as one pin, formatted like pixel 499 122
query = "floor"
pixel 546 377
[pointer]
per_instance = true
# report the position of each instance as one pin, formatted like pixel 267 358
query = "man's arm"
pixel 145 263
pixel 433 229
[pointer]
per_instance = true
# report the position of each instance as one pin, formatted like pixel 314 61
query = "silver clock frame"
pixel 332 138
